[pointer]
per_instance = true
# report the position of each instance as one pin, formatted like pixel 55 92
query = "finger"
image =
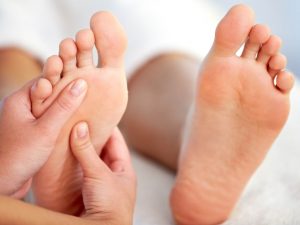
pixel 64 106
pixel 117 153
pixel 85 153
pixel 19 101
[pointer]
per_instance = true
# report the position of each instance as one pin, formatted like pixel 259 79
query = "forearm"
pixel 16 212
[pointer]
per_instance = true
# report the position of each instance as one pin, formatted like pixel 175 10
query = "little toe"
pixel 67 52
pixel 276 64
pixel 259 34
pixel 85 42
pixel 270 48
pixel 39 92
pixel 110 39
pixel 233 30
pixel 52 69
pixel 285 81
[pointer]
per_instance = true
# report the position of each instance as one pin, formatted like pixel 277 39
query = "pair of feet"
pixel 240 106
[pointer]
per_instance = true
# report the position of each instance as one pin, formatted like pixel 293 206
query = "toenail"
pixel 82 130
pixel 78 88
pixel 117 167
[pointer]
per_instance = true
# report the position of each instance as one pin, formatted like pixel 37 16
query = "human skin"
pixel 183 67
pixel 154 120
pixel 231 124
pixel 38 215
pixel 101 187
pixel 101 183
pixel 17 67
pixel 173 76
pixel 102 179
pixel 158 123
pixel 23 149
pixel 57 186
pixel 109 181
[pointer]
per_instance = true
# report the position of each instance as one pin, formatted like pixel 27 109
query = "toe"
pixel 52 69
pixel 233 30
pixel 85 42
pixel 259 34
pixel 285 81
pixel 67 52
pixel 270 48
pixel 110 39
pixel 40 91
pixel 276 64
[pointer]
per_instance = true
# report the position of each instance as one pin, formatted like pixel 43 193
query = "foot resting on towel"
pixel 240 107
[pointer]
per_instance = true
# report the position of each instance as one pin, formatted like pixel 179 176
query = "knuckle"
pixel 84 145
pixel 8 102
pixel 64 103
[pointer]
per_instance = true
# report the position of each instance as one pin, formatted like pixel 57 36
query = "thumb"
pixel 64 106
pixel 85 153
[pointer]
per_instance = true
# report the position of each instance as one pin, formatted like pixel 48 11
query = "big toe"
pixel 110 39
pixel 233 30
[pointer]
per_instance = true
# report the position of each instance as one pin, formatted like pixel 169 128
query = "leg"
pixel 162 91
pixel 16 68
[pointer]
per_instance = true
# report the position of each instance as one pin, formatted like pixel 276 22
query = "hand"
pixel 27 142
pixel 109 182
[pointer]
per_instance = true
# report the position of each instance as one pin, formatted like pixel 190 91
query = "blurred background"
pixel 283 17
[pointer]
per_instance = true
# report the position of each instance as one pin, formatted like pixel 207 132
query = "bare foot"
pixel 58 184
pixel 240 107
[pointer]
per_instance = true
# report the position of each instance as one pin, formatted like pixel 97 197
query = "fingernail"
pixel 33 87
pixel 78 88
pixel 82 130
